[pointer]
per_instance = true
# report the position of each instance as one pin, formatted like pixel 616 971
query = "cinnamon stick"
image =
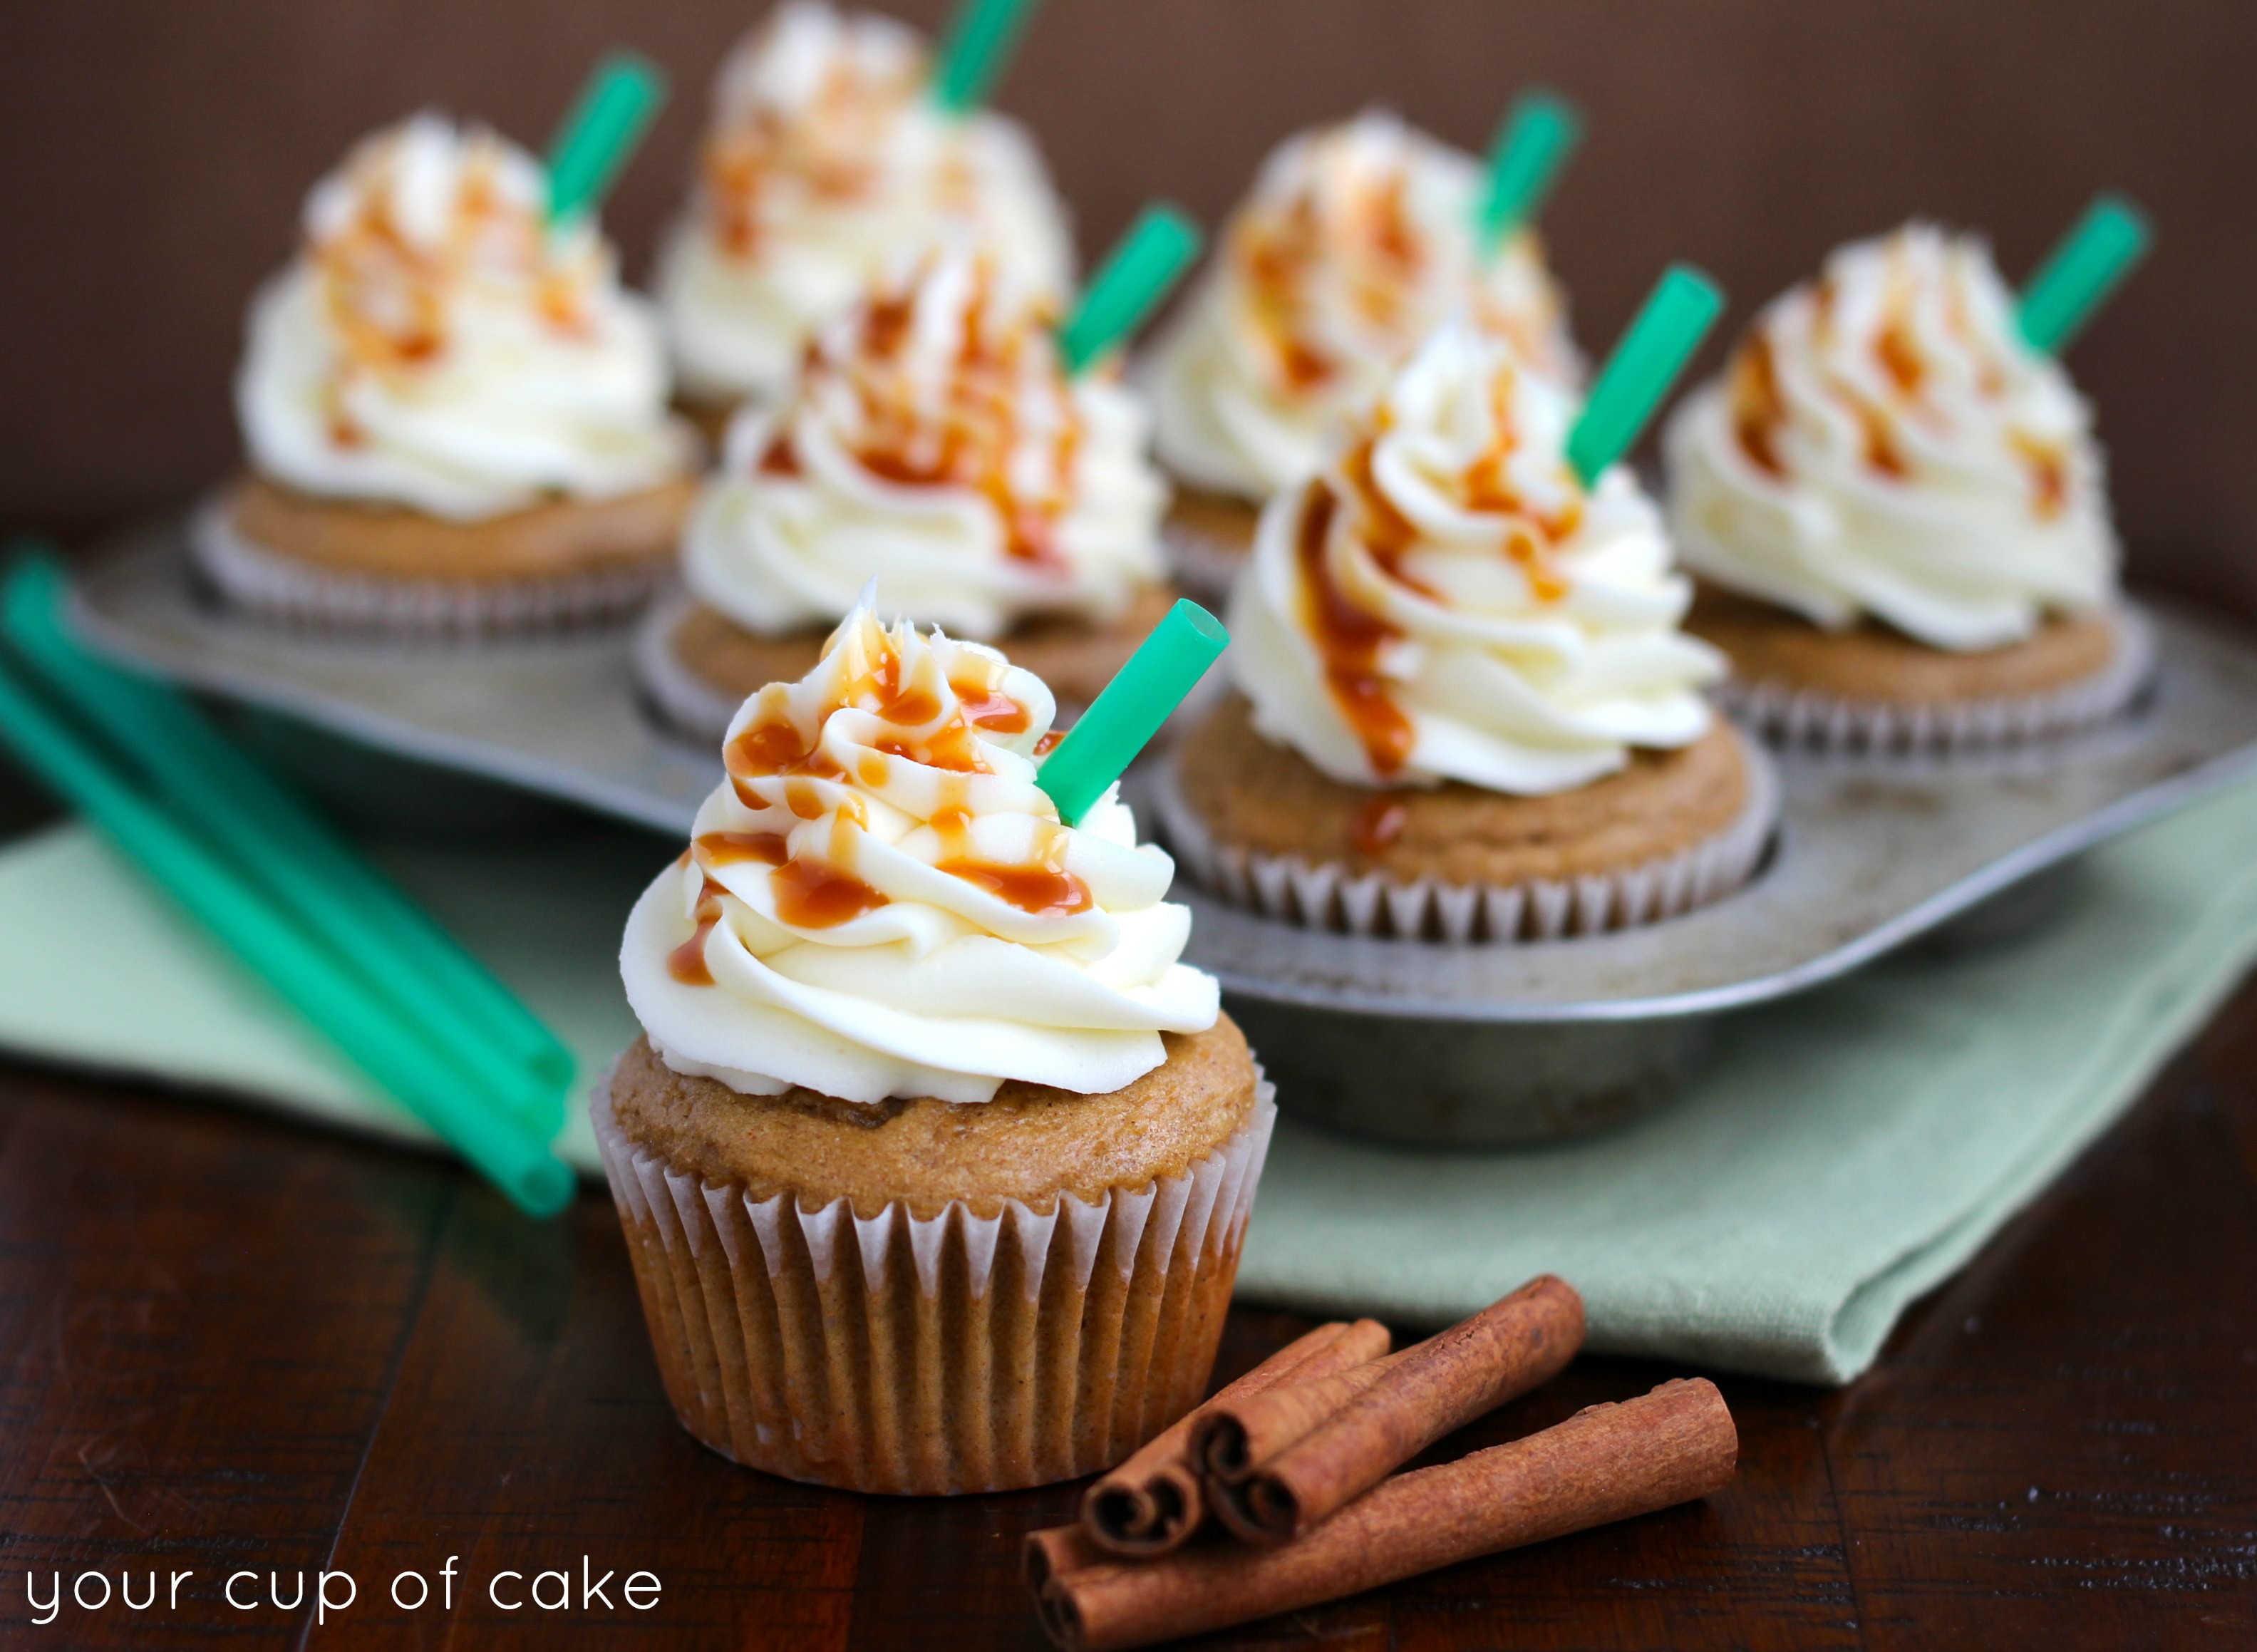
pixel 1234 1437
pixel 1056 1550
pixel 1426 1391
pixel 1606 1463
pixel 1152 1502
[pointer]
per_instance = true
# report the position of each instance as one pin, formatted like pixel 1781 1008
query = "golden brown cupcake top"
pixel 1029 1142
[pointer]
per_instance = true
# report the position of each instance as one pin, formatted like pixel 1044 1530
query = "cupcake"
pixel 934 1160
pixel 1898 514
pixel 455 416
pixel 1468 710
pixel 1357 241
pixel 933 443
pixel 829 158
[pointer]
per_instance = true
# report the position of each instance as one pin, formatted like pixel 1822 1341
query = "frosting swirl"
pixel 827 161
pixel 438 345
pixel 1445 602
pixel 1356 242
pixel 878 900
pixel 933 443
pixel 1885 442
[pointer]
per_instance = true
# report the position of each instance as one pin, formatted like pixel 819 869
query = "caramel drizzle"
pixel 1350 639
pixel 1758 412
pixel 1378 824
pixel 1277 259
pixel 2047 464
pixel 1041 886
pixel 971 441
pixel 826 147
pixel 773 762
pixel 386 295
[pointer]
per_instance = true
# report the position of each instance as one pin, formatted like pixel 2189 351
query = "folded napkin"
pixel 1838 1156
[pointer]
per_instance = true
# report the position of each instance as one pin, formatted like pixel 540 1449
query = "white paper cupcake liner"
pixel 249 577
pixel 1327 896
pixel 939 1354
pixel 1814 721
pixel 685 704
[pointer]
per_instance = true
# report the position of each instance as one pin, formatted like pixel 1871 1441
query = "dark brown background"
pixel 153 153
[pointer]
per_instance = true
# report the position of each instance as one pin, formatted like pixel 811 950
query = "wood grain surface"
pixel 229 1344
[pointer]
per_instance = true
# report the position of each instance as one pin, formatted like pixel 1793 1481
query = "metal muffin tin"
pixel 1409 1040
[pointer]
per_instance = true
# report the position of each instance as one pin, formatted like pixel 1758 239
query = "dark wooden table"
pixel 229 1344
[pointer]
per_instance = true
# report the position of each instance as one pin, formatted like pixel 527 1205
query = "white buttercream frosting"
pixel 1356 242
pixel 878 900
pixel 1445 600
pixel 438 345
pixel 933 443
pixel 827 161
pixel 1885 443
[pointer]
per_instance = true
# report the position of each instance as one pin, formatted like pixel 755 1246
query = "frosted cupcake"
pixel 1898 511
pixel 455 417
pixel 1468 710
pixel 829 159
pixel 935 443
pixel 935 1158
pixel 1356 242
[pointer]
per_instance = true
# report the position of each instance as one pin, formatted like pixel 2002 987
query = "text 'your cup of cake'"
pixel 935 1160
pixel 837 148
pixel 948 439
pixel 1898 515
pixel 1356 242
pixel 1466 707
pixel 455 416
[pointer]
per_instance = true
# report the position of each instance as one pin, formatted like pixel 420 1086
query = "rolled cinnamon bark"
pixel 1152 1502
pixel 1056 1550
pixel 1235 1436
pixel 1426 1391
pixel 1606 1463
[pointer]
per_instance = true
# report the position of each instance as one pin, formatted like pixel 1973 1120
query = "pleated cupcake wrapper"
pixel 282 588
pixel 688 706
pixel 684 702
pixel 1814 720
pixel 949 1353
pixel 1325 896
pixel 1204 566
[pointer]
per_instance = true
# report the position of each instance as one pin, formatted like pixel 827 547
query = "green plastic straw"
pixel 1135 277
pixel 615 108
pixel 1099 749
pixel 300 970
pixel 1678 314
pixel 979 44
pixel 377 932
pixel 1531 151
pixel 2089 265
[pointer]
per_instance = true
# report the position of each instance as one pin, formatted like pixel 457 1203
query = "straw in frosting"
pixel 1529 153
pixel 1676 317
pixel 615 108
pixel 1125 716
pixel 974 53
pixel 2078 275
pixel 1130 283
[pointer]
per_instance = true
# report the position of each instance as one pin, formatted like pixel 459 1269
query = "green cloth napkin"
pixel 1838 1156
